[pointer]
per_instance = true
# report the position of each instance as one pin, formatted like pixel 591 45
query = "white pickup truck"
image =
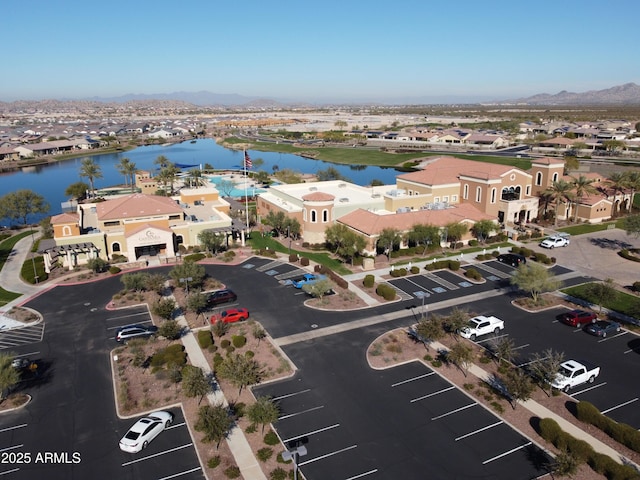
pixel 481 325
pixel 573 373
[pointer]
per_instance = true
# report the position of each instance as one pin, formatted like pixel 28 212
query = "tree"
pixel 258 332
pixel 344 242
pixel 97 265
pixel 519 386
pixel 430 329
pixel 194 382
pixel 77 190
pixel 632 182
pixel 188 269
pixel 225 187
pixel 330 173
pixel 613 145
pixel 560 191
pixel 582 186
pixel 195 178
pixel 164 308
pixel 168 176
pixel 534 279
pixel 154 282
pixel 482 229
pixel 455 232
pixel 263 412
pixel 631 225
pixel 135 281
pixel 617 182
pixel 170 329
pixel 128 169
pixel 456 321
pixel 240 370
pixel 91 171
pixel 197 302
pixel 9 376
pixel 292 227
pixel 504 349
pixel 276 220
pixel 461 355
pixel 602 292
pixel 388 239
pixel 426 235
pixel 318 288
pixel 20 204
pixel 544 367
pixel 211 240
pixel 214 422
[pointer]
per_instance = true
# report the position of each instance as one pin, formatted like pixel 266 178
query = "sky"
pixel 317 51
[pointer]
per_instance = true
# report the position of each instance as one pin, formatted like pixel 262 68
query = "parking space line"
pixel 30 354
pixel 632 350
pixel 604 412
pixel 13 428
pixel 176 425
pixel 14 470
pixel 291 394
pixel 590 388
pixel 284 417
pixel 479 430
pixel 125 324
pixel 454 411
pixel 127 316
pixel 375 470
pixel 507 453
pixel 313 432
pixel 156 455
pixel 11 448
pixel 413 379
pixel 186 472
pixel 521 346
pixel 493 337
pixel 327 455
pixel 431 394
pixel 615 336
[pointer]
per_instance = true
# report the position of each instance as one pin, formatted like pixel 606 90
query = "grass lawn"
pixel 622 302
pixel 6 246
pixel 589 227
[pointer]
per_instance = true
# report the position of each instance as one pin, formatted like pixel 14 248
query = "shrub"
pixel 549 430
pixel 293 258
pixel 278 473
pixel 205 339
pixel 113 270
pixel 636 286
pixel 453 265
pixel 232 472
pixel 195 257
pixel 473 274
pixel 170 329
pixel 398 272
pixel 386 291
pixel 171 355
pixel 239 341
pixel 213 462
pixel 620 432
pixel 414 270
pixel 473 243
pixel 369 281
pixel 304 261
pixel 265 454
pixel 271 438
pixel 225 343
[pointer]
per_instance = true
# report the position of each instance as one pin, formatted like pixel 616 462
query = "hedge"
pixel 440 264
pixel 205 339
pixel 386 291
pixel 341 282
pixel 620 432
pixel 173 354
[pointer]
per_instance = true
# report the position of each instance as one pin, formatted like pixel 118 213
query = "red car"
pixel 230 316
pixel 577 318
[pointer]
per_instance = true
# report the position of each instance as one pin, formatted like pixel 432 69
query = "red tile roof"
pixel 65 218
pixel 371 223
pixel 318 197
pixel 447 170
pixel 136 205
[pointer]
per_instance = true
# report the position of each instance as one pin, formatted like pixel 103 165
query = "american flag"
pixel 247 161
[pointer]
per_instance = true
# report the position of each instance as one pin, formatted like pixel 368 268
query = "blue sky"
pixel 315 51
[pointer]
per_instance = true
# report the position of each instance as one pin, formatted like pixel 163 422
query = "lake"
pixel 52 180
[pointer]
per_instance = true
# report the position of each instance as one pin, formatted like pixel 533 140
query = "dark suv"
pixel 135 331
pixel 512 259
pixel 221 296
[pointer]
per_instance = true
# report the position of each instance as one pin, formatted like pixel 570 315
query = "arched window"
pixel 465 192
pixel 115 247
pixel 539 178
pixel 325 216
pixel 478 194
pixel 555 177
pixel 66 231
pixel 314 218
pixel 493 195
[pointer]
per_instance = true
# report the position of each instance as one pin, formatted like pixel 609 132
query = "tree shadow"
pixel 610 244
pixel 634 345
pixel 572 407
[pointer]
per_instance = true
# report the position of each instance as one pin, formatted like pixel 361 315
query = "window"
pixel 478 194
pixel 465 192
pixel 114 223
pixel 493 195
pixel 325 216
pixel 528 190
pixel 436 199
pixel 454 198
pixel 66 231
pixel 445 199
pixel 115 247
pixel 314 218
pixel 539 178
pixel 555 177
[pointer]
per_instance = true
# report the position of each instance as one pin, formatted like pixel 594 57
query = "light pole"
pixel 186 283
pixel 293 455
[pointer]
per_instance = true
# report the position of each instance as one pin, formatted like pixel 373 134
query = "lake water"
pixel 52 180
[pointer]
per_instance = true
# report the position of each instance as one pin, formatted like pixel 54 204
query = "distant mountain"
pixel 201 98
pixel 627 94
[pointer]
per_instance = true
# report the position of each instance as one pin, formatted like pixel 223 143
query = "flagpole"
pixel 246 199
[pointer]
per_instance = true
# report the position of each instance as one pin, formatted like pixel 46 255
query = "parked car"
pixel 306 279
pixel 602 328
pixel 231 315
pixel 145 430
pixel 577 318
pixel 221 296
pixel 481 325
pixel 135 331
pixel 555 241
pixel 512 259
pixel 573 373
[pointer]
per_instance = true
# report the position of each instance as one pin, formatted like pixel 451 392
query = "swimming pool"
pixel 237 191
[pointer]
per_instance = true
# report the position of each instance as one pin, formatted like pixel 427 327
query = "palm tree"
pixel 131 170
pixel 127 168
pixel 195 178
pixel 617 183
pixel 90 170
pixel 560 191
pixel 161 161
pixel 632 182
pixel 582 186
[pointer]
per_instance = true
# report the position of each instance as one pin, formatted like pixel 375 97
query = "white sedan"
pixel 553 242
pixel 145 430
